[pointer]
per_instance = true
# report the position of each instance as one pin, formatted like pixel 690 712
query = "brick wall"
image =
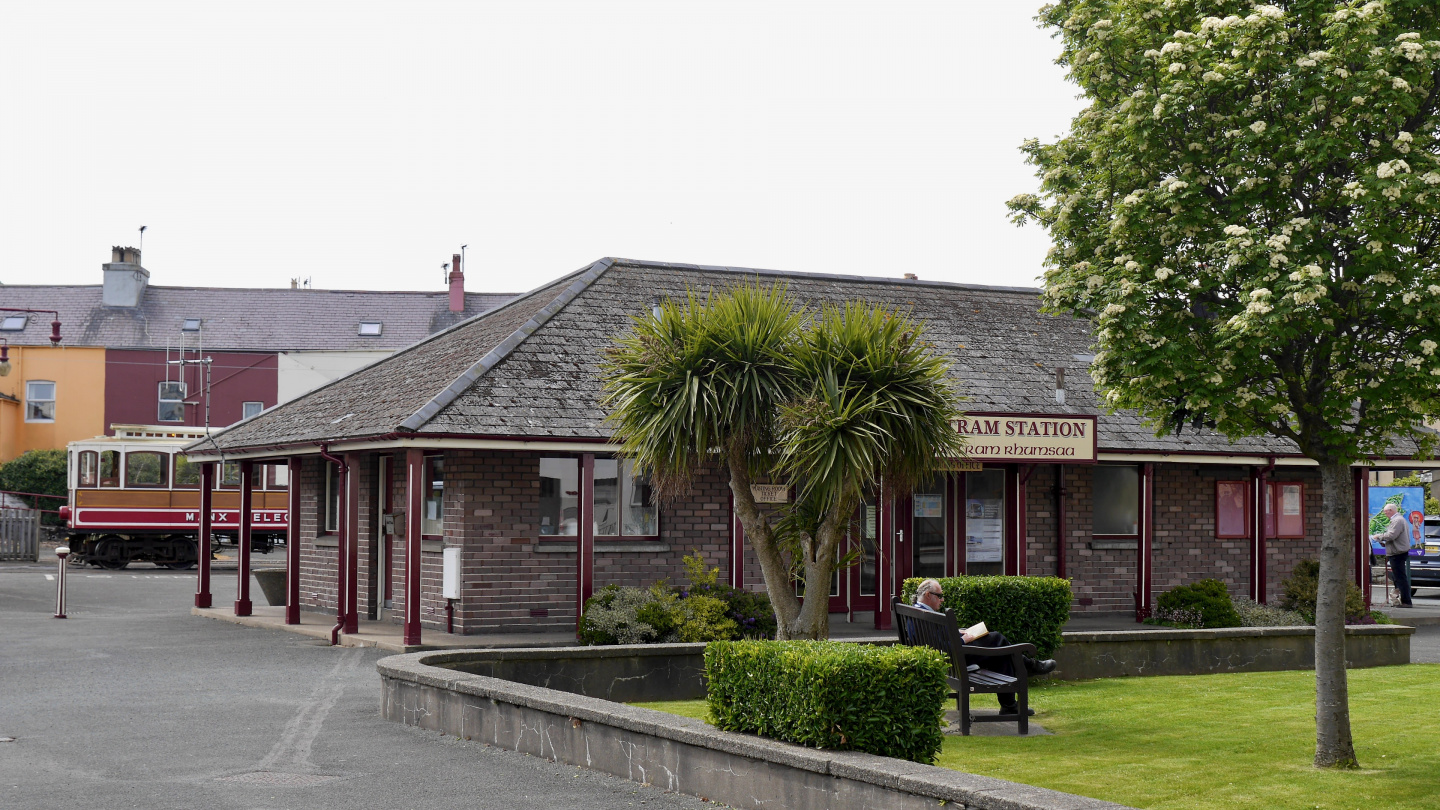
pixel 1185 548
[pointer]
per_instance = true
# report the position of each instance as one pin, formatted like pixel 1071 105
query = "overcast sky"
pixel 359 144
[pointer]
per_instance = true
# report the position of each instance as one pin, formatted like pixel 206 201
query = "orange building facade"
pixel 51 397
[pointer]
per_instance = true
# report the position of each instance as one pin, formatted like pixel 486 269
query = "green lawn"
pixel 1213 741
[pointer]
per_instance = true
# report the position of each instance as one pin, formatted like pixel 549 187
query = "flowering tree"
pixel 1249 209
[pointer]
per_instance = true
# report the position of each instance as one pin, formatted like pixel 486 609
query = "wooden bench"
pixel 918 627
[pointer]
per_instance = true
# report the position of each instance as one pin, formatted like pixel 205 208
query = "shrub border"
pixel 678 753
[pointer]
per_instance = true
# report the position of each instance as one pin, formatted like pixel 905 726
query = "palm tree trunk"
pixel 814 619
pixel 762 539
pixel 1333 745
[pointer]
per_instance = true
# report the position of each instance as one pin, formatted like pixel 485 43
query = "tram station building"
pixel 469 482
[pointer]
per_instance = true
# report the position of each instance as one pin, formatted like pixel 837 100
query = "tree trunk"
pixel 762 539
pixel 1333 745
pixel 814 619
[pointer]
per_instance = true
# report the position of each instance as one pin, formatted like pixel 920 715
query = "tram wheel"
pixel 110 553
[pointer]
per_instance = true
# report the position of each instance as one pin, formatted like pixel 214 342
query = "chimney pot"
pixel 457 284
pixel 125 279
pixel 912 277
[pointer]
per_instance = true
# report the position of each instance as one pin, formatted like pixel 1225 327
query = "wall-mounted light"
pixel 4 357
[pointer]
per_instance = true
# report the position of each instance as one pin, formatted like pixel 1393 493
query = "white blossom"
pixel 1384 277
pixel 1399 83
pixel 1163 273
pixel 1236 230
pixel 1258 127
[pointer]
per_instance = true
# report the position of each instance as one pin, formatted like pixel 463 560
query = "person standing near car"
pixel 1396 539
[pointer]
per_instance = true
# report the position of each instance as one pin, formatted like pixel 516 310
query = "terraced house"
pixel 470 482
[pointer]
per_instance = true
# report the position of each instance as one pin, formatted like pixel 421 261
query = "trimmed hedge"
pixel 1030 610
pixel 883 700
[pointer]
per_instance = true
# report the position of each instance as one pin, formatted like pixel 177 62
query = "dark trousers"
pixel 1400 572
pixel 1004 666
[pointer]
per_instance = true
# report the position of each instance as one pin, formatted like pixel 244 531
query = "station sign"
pixel 1028 438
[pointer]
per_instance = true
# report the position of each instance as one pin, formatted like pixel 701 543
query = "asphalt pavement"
pixel 133 702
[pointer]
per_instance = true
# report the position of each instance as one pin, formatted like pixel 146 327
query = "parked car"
pixel 1425 567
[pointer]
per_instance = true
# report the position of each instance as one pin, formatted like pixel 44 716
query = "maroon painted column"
pixel 884 566
pixel 202 582
pixel 292 545
pixel 414 481
pixel 1060 530
pixel 585 536
pixel 1361 477
pixel 1022 510
pixel 351 543
pixel 247 500
pixel 1147 536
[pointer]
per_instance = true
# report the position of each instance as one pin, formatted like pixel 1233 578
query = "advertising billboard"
pixel 1411 501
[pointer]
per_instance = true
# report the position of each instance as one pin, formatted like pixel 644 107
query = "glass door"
pixel 985 523
pixel 927 529
pixel 863 575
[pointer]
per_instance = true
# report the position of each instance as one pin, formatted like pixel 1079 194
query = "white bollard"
pixel 61 552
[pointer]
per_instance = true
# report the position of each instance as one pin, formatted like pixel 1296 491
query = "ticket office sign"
pixel 1029 438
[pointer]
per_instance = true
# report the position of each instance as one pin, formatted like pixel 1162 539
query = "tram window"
pixel 172 402
pixel 187 474
pixel 89 468
pixel 109 468
pixel 277 476
pixel 146 469
pixel 230 474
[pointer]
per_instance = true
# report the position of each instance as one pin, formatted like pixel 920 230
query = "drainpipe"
pixel 340 528
pixel 1060 519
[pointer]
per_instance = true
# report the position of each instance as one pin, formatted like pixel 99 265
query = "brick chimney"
pixel 457 285
pixel 125 279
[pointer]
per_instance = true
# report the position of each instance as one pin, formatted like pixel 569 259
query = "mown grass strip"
pixel 1243 740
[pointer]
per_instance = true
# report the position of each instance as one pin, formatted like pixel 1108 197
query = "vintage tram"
pixel 135 498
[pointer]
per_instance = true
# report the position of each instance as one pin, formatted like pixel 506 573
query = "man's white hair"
pixel 1391 509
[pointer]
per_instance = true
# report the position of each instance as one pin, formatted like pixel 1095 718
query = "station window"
pixel 187 474
pixel 109 468
pixel 39 401
pixel 432 522
pixel 624 503
pixel 89 469
pixel 249 409
pixel 1117 500
pixel 172 402
pixel 147 469
pixel 1285 509
pixel 277 476
pixel 230 474
pixel 332 497
pixel 559 496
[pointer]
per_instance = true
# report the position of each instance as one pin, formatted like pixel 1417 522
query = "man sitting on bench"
pixel 927 597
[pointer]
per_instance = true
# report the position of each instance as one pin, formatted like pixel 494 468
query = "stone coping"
pixel 1176 634
pixel 924 781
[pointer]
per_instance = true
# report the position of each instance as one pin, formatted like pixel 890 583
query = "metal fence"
pixel 20 534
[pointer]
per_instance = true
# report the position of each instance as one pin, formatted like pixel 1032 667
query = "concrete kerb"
pixel 638 744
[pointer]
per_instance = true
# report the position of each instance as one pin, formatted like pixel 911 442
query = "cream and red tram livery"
pixel 134 498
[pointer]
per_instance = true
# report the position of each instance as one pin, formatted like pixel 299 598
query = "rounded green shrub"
pixel 1209 598
pixel 1298 593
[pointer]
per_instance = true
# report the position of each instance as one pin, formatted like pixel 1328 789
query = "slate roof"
pixel 530 369
pixel 239 319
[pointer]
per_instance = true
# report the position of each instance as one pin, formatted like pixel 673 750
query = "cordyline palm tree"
pixel 832 403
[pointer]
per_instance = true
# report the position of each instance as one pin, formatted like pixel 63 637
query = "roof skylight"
pixel 370 328
pixel 13 323
pixel 190 325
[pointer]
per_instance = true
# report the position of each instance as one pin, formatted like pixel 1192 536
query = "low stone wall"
pixel 624 674
pixel 1110 654
pixel 677 753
